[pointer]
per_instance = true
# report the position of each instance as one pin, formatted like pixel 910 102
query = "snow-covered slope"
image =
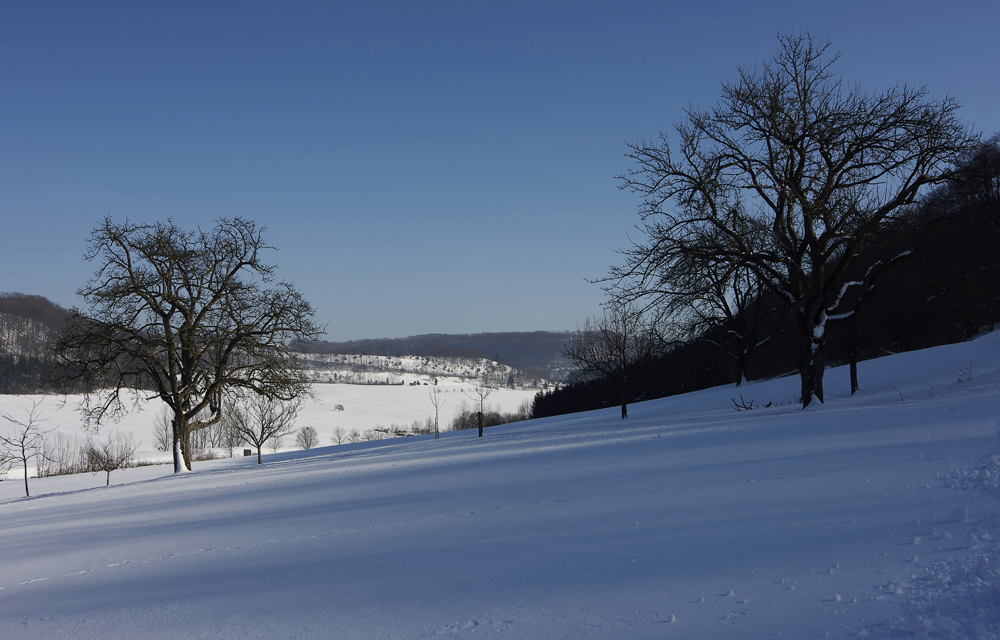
pixel 871 516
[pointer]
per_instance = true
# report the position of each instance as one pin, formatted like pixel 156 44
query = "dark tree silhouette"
pixel 790 175
pixel 613 347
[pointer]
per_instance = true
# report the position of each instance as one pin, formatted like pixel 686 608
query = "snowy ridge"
pixel 873 516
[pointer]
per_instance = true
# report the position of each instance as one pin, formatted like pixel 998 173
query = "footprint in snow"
pixel 462 626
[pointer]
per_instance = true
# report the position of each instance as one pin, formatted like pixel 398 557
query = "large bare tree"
pixel 790 175
pixel 185 316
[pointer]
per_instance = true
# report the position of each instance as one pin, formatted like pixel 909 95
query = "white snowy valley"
pixel 873 516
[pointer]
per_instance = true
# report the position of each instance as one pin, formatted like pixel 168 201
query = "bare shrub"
pixel 275 444
pixel 339 435
pixel 60 455
pixel 117 452
pixel 163 437
pixel 307 438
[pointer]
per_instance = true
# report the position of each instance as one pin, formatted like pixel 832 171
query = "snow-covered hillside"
pixel 23 337
pixel 873 516
pixel 414 370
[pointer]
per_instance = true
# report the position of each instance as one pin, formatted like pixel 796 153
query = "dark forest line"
pixel 944 289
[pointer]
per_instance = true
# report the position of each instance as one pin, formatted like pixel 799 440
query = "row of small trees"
pixel 468 417
pixel 29 442
pixel 248 419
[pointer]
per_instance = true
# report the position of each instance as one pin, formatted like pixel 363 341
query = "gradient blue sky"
pixel 422 166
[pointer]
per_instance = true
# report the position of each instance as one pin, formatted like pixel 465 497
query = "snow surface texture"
pixel 873 516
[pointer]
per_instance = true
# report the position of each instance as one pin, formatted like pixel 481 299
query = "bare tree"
pixel 481 390
pixel 339 435
pixel 307 438
pixel 613 347
pixel 117 452
pixel 183 316
pixel 790 175
pixel 354 435
pixel 162 430
pixel 27 440
pixel 275 444
pixel 438 400
pixel 259 419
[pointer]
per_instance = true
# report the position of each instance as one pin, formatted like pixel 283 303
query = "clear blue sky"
pixel 422 166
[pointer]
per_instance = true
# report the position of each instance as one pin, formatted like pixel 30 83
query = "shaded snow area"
pixel 873 516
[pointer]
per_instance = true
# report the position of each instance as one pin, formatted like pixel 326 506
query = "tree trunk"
pixel 624 410
pixel 812 366
pixel 259 461
pixel 182 444
pixel 853 359
pixel 186 448
pixel 810 320
pixel 176 444
pixel 26 494
pixel 480 414
pixel 741 360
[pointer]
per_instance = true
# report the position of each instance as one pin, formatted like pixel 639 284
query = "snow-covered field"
pixel 365 407
pixel 873 516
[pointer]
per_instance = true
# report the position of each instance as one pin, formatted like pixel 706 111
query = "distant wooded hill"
pixel 536 351
pixel 28 324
